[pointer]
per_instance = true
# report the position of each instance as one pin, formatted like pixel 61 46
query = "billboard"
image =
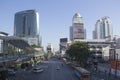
pixel 78 31
pixel 63 39
pixel 115 64
pixel 33 41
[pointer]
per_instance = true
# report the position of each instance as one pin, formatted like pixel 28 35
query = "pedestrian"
pixel 62 64
pixel 105 72
pixel 95 69
pixel 109 73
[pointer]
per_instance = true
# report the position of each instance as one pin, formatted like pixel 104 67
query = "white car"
pixel 37 70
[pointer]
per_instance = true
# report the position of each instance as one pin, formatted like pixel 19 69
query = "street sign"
pixel 115 64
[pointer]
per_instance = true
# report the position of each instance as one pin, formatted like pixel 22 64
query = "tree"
pixel 36 46
pixel 79 51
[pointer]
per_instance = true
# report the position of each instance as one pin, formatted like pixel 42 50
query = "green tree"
pixel 46 55
pixel 79 51
pixel 36 46
pixel 11 49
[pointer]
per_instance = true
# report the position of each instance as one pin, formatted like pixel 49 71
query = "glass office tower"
pixel 26 24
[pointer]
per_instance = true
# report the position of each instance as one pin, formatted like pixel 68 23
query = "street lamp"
pixel 116 59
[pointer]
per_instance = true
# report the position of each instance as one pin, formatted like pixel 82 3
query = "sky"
pixel 56 16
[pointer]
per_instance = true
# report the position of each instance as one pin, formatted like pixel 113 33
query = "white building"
pixel 98 47
pixel 103 29
pixel 49 47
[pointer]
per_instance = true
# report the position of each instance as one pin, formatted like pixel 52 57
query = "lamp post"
pixel 116 59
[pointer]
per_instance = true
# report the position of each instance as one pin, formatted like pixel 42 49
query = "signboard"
pixel 33 41
pixel 78 36
pixel 115 64
pixel 78 31
pixel 63 39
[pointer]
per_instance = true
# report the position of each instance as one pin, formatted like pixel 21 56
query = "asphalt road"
pixel 50 71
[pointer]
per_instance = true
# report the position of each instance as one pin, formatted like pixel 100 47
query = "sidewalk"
pixel 105 68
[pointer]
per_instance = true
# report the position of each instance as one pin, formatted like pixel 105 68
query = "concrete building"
pixel 98 47
pixel 26 25
pixel 63 45
pixel 49 48
pixel 77 30
pixel 3 45
pixel 103 29
pixel 116 46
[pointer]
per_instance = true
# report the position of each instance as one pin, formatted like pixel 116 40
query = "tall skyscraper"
pixel 103 29
pixel 77 30
pixel 26 25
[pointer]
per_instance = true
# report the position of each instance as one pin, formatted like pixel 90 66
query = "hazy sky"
pixel 56 16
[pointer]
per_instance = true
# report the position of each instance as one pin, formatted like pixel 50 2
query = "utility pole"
pixel 116 65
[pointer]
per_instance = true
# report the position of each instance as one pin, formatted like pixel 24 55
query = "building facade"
pixel 103 29
pixel 26 25
pixel 49 48
pixel 77 30
pixel 63 45
pixel 3 44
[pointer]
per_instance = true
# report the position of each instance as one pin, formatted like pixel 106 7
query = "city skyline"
pixel 56 16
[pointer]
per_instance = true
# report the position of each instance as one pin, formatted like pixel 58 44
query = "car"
pixel 68 63
pixel 58 68
pixel 38 70
pixel 11 72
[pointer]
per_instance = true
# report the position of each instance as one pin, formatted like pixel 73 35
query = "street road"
pixel 51 73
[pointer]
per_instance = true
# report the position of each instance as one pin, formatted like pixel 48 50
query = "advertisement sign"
pixel 63 39
pixel 33 41
pixel 78 31
pixel 115 64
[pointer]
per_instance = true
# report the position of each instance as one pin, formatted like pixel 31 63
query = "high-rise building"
pixel 77 30
pixel 103 29
pixel 26 25
pixel 63 45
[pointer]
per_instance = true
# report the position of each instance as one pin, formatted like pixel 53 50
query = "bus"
pixel 83 73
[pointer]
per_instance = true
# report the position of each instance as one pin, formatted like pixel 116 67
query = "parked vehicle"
pixel 11 72
pixel 58 68
pixel 38 70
